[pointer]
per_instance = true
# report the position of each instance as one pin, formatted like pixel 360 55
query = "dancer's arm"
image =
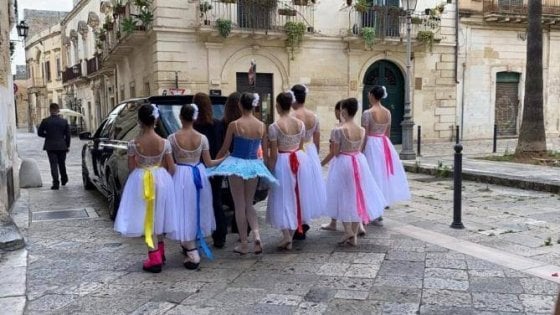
pixel 227 141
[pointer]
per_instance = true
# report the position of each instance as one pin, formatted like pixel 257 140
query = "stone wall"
pixel 39 20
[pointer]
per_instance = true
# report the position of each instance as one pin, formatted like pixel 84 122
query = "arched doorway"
pixel 384 72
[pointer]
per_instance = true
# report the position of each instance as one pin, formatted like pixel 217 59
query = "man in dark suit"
pixel 56 132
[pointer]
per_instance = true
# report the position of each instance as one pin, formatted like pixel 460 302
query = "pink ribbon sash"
pixel 359 192
pixel 387 153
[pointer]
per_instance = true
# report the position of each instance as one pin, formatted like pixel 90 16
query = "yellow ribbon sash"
pixel 149 197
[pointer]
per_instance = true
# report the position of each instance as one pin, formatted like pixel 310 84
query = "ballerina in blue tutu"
pixel 244 168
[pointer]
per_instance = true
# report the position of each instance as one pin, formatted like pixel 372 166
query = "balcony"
pixel 257 17
pixel 515 11
pixel 37 82
pixel 389 24
pixel 92 65
pixel 72 73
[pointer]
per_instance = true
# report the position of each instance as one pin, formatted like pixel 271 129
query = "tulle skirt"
pixel 342 191
pixel 316 186
pixel 132 209
pixel 185 200
pixel 282 207
pixel 244 168
pixel 393 186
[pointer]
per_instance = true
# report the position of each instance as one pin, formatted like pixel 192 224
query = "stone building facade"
pixel 20 89
pixel 9 184
pixel 40 20
pixel 492 56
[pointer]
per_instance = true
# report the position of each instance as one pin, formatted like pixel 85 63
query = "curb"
pixel 10 236
pixel 488 178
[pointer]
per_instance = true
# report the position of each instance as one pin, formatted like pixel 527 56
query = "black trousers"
pixel 220 233
pixel 57 160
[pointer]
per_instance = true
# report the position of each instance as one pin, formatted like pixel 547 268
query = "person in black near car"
pixel 56 132
pixel 213 130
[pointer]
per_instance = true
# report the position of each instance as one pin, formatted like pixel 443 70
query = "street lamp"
pixel 407 124
pixel 22 29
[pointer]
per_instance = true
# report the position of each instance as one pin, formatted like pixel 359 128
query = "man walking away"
pixel 56 132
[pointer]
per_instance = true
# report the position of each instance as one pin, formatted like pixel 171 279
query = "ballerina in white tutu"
pixel 382 157
pixel 311 147
pixel 193 192
pixel 244 168
pixel 291 202
pixel 148 202
pixel 352 195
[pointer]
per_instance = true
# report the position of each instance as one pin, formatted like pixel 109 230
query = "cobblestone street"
pixel 415 264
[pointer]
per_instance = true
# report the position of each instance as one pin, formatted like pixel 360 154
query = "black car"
pixel 104 156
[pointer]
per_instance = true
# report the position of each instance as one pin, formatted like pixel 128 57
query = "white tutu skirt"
pixel 342 193
pixel 185 201
pixel 132 209
pixel 317 186
pixel 393 186
pixel 281 210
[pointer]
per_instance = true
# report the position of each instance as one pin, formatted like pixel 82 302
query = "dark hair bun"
pixel 187 112
pixel 300 92
pixel 351 106
pixel 377 91
pixel 246 100
pixel 285 100
pixel 145 115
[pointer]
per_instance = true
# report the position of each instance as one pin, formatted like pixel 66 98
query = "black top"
pixel 215 134
pixel 56 132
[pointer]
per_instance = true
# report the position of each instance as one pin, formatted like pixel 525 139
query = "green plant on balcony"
pixel 426 37
pixel 224 27
pixel 368 33
pixel 228 1
pixel 146 17
pixel 295 31
pixel 287 12
pixel 361 6
pixel 118 7
pixel 128 25
pixel 204 7
pixel 142 3
pixel 416 20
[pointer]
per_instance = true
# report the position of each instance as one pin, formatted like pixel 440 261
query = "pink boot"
pixel 161 249
pixel 153 263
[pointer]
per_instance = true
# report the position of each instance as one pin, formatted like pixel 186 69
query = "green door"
pixel 386 73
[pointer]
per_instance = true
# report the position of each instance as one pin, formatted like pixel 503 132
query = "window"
pixel 48 70
pixel 146 88
pixel 58 69
pixel 132 89
pixel 121 93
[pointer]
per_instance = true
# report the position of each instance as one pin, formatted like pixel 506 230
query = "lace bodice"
pixel 285 142
pixel 188 156
pixel 339 135
pixel 372 127
pixel 309 132
pixel 148 160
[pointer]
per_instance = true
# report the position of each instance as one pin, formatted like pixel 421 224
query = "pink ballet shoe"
pixel 161 249
pixel 153 263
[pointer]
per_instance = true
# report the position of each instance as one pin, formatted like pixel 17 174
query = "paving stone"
pixel 191 310
pixel 446 284
pixel 351 295
pixel 445 263
pixel 154 308
pixel 237 297
pixel 333 269
pixel 281 299
pixel 318 295
pixel 337 307
pixel 446 298
pixel 50 302
pixel 395 294
pixel 362 271
pixel 496 284
pixel 480 273
pixel 396 281
pixel 446 310
pixel 406 255
pixel 539 286
pixel 13 280
pixel 401 268
pixel 311 308
pixel 12 305
pixel 271 309
pixel 400 308
pixel 345 283
pixel 443 273
pixel 538 303
pixel 497 302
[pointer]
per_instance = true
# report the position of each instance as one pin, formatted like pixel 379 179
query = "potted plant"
pixel 368 33
pixel 361 6
pixel 224 27
pixel 416 20
pixel 295 31
pixel 142 3
pixel 118 8
pixel 204 8
pixel 287 12
pixel 128 25
pixel 146 17
pixel 426 37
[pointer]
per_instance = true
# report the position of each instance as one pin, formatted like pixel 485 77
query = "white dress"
pixel 132 209
pixel 292 167
pixel 188 163
pixel 352 195
pixel 384 162
pixel 316 171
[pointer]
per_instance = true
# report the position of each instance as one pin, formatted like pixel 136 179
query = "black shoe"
pixel 301 236
pixel 54 187
pixel 64 181
pixel 219 244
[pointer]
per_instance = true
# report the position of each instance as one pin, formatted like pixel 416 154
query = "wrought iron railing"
pixel 519 7
pixel 92 65
pixel 72 73
pixel 390 22
pixel 258 15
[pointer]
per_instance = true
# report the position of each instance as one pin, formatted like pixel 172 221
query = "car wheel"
pixel 114 197
pixel 88 185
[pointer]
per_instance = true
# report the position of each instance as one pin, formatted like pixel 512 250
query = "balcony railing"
pixel 92 65
pixel 259 15
pixel 72 73
pixel 390 23
pixel 519 7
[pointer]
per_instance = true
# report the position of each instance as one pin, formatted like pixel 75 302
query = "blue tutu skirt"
pixel 244 168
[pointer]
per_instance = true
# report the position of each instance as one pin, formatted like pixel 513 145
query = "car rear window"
pixel 169 115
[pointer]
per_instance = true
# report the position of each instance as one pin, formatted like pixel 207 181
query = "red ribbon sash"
pixel 360 200
pixel 294 166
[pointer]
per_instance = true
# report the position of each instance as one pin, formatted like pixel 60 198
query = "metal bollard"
pixel 456 134
pixel 495 143
pixel 457 187
pixel 419 140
